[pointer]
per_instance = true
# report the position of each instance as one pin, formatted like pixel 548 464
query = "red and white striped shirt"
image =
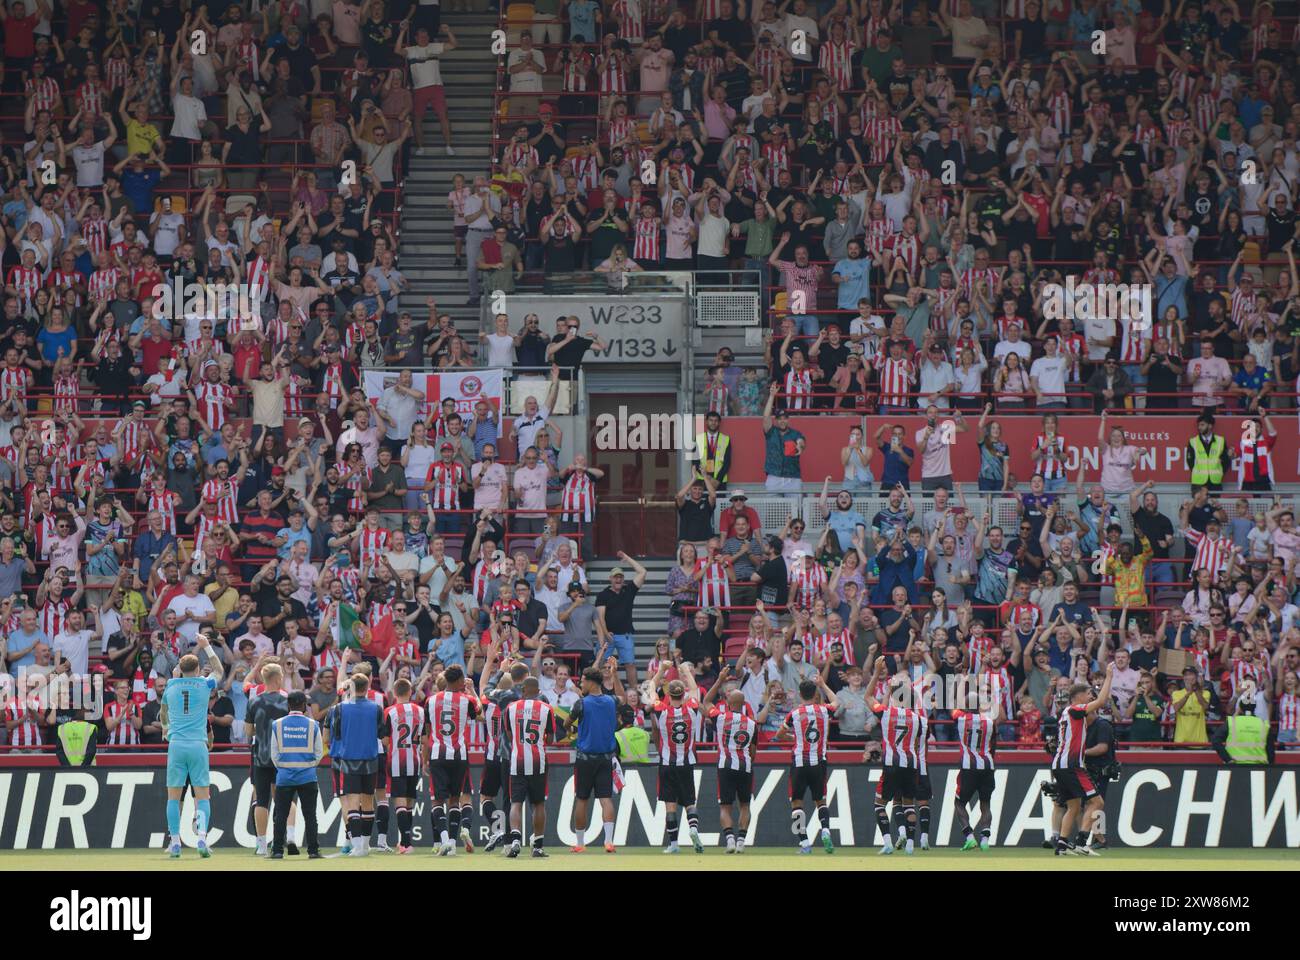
pixel 611 77
pixel 1058 109
pixel 735 734
pixel 836 59
pixel 25 281
pixel 1288 712
pixel 896 377
pixel 798 389
pixel 900 737
pixel 715 582
pixel 1072 736
pixel 646 245
pixel 371 545
pixel 43 93
pixel 806 584
pixel 124 734
pixel 443 484
pixel 881 133
pixel 578 499
pixel 226 494
pixel 1212 555
pixel 907 249
pixel 526 724
pixel 404 728
pixel 678 729
pixel 975 733
pixel 1052 465
pixel 213 399
pixel 450 715
pixel 14 381
pixel 103 283
pixel 811 725
pixel 822 643
pixel 28 731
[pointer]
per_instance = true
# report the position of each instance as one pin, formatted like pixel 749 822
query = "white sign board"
pixel 635 329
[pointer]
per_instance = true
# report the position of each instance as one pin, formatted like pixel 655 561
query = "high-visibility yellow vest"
pixel 633 745
pixel 74 735
pixel 1207 465
pixel 709 465
pixel 1247 739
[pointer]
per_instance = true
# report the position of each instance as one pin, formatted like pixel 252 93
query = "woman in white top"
pixel 856 459
pixel 418 455
pixel 1118 458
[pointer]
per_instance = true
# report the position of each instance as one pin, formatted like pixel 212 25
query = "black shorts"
pixel 1075 783
pixel 448 778
pixel 923 789
pixel 404 786
pixel 808 780
pixel 897 783
pixel 593 774
pixel 974 783
pixel 735 786
pixel 360 783
pixel 528 786
pixel 496 775
pixel 1099 782
pixel 677 784
pixel 263 781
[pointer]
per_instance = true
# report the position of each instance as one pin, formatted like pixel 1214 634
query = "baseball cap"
pixel 738 495
pixel 277 471
pixel 616 572
pixel 446 446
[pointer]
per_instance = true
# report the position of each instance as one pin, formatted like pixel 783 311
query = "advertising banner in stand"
pixel 1167 804
pixel 1161 441
pixel 465 387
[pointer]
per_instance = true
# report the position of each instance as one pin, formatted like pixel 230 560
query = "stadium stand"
pixel 1017 397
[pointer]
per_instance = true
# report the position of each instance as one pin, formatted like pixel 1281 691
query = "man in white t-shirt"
pixel 193 610
pixel 165 226
pixel 799 20
pixel 73 644
pixel 934 443
pixel 1099 335
pixel 88 155
pixel 1014 342
pixel 525 66
pixel 1047 375
pixel 426 80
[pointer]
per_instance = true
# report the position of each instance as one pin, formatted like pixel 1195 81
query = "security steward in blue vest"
pixel 296 751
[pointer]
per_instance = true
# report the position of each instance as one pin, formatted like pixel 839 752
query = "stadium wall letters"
pixel 1166 805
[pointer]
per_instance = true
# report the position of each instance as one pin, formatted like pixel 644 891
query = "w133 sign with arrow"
pixel 635 329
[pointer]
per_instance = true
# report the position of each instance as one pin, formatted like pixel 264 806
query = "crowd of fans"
pixel 901 183
pixel 912 187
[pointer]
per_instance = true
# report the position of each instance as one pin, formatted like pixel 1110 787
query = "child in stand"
pixel 750 393
pixel 1030 732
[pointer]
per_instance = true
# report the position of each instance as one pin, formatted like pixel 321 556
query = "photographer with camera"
pixel 1102 765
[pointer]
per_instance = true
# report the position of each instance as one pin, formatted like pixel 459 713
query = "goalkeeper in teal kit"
pixel 184 718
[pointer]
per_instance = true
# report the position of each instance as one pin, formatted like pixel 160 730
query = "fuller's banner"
pixel 1161 440
pixel 1167 804
pixel 465 387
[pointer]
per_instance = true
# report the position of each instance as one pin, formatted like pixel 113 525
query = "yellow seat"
pixel 317 107
pixel 782 302
pixel 519 14
pixel 179 203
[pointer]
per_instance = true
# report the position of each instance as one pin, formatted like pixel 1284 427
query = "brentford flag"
pixel 465 388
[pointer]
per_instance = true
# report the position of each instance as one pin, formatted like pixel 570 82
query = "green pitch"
pixel 642 858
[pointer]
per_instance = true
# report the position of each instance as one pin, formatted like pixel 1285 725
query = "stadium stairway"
pixel 469 76
pixel 650 615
